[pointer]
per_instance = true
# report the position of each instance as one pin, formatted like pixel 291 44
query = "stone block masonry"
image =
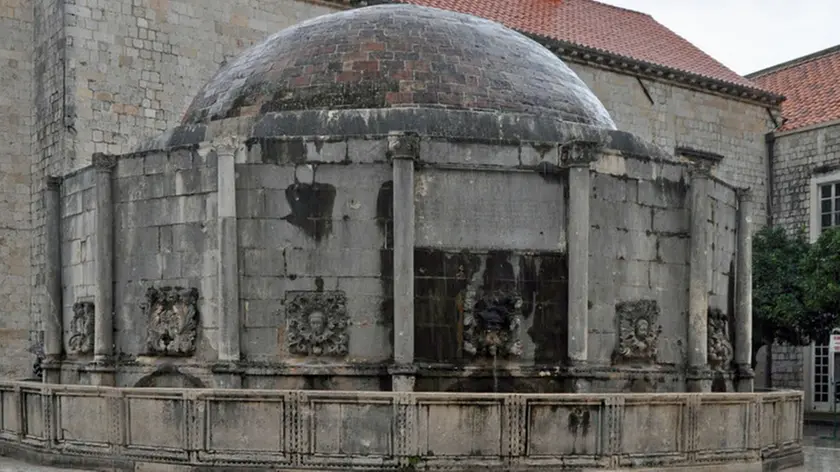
pixel 109 73
pixel 799 156
pixel 16 120
pixel 672 116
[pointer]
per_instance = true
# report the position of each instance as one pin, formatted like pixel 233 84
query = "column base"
pixel 228 376
pixel 745 380
pixel 51 370
pixel 580 377
pixel 403 378
pixel 698 379
pixel 101 373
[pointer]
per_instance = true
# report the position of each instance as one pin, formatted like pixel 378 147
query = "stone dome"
pixel 393 56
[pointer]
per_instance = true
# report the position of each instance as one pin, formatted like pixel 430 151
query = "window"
pixel 825 203
pixel 829 205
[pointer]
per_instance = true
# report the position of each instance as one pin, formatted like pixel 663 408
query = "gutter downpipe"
pixel 770 142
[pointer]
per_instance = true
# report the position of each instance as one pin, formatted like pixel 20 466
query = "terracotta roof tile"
pixel 599 26
pixel 812 88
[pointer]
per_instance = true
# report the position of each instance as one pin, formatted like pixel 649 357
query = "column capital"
pixel 403 146
pixel 103 162
pixel 745 194
pixel 700 172
pixel 579 153
pixel 53 183
pixel 227 144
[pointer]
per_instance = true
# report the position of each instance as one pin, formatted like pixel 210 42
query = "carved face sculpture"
pixel 642 328
pixel 317 322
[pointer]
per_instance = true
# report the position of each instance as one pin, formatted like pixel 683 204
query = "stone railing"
pixel 124 428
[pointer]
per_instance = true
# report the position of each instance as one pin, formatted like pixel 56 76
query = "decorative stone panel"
pixel 491 324
pixel 317 323
pixel 172 314
pixel 638 333
pixel 719 342
pixel 81 331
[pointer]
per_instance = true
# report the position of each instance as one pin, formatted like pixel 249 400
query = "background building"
pixel 805 189
pixel 89 76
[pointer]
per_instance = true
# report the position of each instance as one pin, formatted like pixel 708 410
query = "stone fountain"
pixel 403 223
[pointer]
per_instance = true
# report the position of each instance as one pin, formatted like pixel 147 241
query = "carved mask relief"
pixel 637 330
pixel 317 323
pixel 491 325
pixel 172 314
pixel 719 345
pixel 81 329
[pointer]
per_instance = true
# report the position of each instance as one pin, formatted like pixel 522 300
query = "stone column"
pixel 228 266
pixel 743 314
pixel 102 372
pixel 578 157
pixel 53 309
pixel 403 150
pixel 698 377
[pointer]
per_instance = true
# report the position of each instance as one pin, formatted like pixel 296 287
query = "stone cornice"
pixel 606 60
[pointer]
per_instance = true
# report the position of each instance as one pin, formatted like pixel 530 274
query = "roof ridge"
pixel 616 7
pixel 794 62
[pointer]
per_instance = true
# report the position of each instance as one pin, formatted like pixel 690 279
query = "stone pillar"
pixel 578 157
pixel 228 266
pixel 403 150
pixel 102 372
pixel 53 309
pixel 698 378
pixel 743 314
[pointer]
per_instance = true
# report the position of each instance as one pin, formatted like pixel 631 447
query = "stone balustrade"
pixel 197 429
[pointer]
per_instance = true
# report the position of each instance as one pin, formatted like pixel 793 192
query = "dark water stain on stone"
pixel 169 375
pixel 730 301
pixel 499 274
pixel 283 151
pixel 385 212
pixel 440 281
pixel 579 421
pixel 482 382
pixel 312 208
pixel 550 309
pixel 385 221
pixel 719 383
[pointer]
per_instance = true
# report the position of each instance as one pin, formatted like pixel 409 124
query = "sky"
pixel 748 35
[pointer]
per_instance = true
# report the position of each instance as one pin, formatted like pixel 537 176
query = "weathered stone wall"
pixel 724 217
pixel 639 246
pixel 165 236
pixel 675 116
pixel 16 68
pixel 639 251
pixel 111 73
pixel 798 156
pixel 308 222
pixel 789 365
pixel 78 224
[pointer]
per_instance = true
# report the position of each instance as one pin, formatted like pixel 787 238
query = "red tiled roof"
pixel 588 23
pixel 812 88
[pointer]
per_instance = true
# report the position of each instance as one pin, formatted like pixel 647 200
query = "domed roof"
pixel 398 56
